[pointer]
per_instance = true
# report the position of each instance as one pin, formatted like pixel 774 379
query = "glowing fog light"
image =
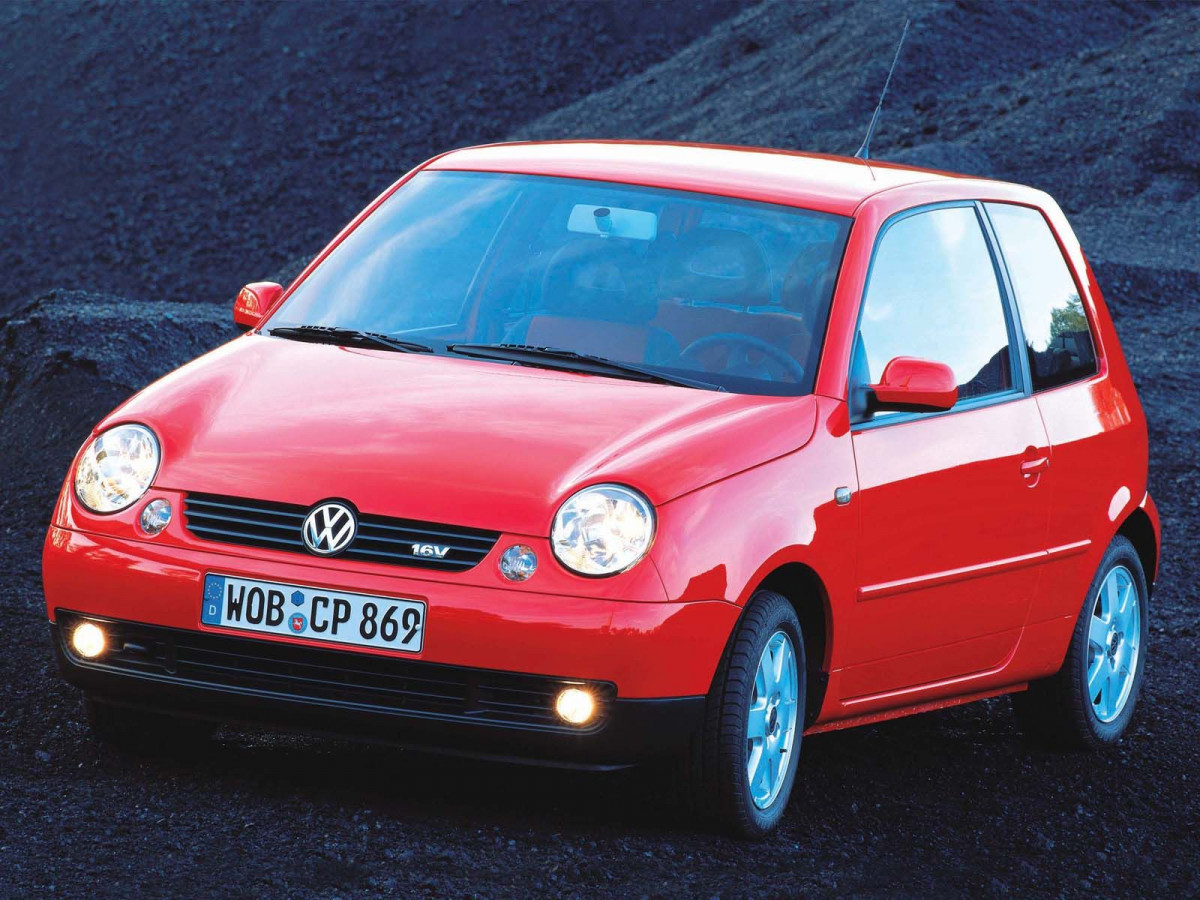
pixel 518 562
pixel 88 640
pixel 575 706
pixel 156 515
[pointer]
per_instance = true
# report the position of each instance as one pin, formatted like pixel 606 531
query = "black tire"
pixel 714 779
pixel 144 731
pixel 1058 711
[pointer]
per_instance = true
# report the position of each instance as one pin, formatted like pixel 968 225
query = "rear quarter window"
pixel 1057 336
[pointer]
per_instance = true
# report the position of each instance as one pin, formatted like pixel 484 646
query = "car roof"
pixel 833 184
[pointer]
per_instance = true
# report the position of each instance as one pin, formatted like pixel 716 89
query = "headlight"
pixel 603 530
pixel 117 467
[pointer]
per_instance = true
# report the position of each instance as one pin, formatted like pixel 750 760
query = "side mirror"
pixel 252 301
pixel 914 385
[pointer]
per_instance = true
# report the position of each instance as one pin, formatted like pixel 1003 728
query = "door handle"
pixel 1034 466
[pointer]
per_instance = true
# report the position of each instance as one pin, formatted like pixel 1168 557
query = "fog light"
pixel 518 562
pixel 156 515
pixel 575 706
pixel 88 640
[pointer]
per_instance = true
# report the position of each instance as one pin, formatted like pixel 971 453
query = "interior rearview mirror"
pixel 253 301
pixel 914 385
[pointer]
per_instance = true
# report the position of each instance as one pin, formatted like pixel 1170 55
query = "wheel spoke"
pixel 781 665
pixel 787 714
pixel 1098 632
pixel 756 727
pixel 774 665
pixel 1124 656
pixel 1124 593
pixel 772 771
pixel 763 787
pixel 754 766
pixel 1096 676
pixel 1108 598
pixel 765 678
pixel 1131 613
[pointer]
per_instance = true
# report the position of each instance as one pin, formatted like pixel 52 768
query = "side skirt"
pixel 930 706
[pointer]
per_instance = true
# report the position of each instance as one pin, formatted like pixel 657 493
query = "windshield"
pixel 732 293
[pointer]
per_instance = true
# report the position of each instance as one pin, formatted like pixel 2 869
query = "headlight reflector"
pixel 603 530
pixel 116 468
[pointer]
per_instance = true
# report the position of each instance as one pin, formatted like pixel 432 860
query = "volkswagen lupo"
pixel 594 453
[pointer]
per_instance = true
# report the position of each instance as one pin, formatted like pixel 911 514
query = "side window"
pixel 933 294
pixel 1057 336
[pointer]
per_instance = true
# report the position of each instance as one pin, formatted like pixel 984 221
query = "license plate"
pixel 319 614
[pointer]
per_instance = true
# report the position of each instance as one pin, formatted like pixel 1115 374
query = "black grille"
pixel 364 681
pixel 262 523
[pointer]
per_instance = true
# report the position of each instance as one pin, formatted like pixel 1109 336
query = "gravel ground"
pixel 1097 103
pixel 175 151
pixel 952 802
pixel 949 803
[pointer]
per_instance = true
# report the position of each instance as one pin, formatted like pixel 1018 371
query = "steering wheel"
pixel 738 361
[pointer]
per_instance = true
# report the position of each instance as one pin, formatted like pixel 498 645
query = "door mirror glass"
pixel 253 301
pixel 914 385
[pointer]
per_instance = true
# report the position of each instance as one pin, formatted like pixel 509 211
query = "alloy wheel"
pixel 771 723
pixel 1114 640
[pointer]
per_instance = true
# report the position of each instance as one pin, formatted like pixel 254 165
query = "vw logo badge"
pixel 329 528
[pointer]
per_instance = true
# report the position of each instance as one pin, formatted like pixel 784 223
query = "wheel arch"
pixel 806 592
pixel 1139 529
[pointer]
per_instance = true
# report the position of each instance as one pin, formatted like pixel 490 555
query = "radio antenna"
pixel 865 150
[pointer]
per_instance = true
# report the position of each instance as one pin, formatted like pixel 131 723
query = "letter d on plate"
pixel 212 606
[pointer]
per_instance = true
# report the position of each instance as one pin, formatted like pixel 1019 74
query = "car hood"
pixel 443 439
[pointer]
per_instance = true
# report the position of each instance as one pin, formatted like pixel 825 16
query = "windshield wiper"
pixel 348 337
pixel 574 361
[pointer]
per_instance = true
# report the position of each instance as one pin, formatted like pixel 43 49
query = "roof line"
pixel 868 165
pixel 739 148
pixel 890 187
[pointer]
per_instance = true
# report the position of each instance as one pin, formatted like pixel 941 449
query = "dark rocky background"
pixel 157 155
pixel 164 150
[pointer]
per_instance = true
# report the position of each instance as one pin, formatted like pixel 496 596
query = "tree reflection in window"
pixel 1057 337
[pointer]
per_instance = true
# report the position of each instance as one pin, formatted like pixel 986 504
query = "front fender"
pixel 723 541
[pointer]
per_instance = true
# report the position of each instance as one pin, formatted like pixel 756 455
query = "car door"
pixel 1095 439
pixel 953 506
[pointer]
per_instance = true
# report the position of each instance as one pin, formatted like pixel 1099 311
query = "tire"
pixel 716 780
pixel 145 731
pixel 1063 710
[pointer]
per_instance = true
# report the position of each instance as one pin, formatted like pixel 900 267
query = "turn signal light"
pixel 518 563
pixel 156 515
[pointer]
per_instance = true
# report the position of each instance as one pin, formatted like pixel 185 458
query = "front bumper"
pixel 652 663
pixel 474 712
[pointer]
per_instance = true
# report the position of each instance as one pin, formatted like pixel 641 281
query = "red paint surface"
pixel 955 572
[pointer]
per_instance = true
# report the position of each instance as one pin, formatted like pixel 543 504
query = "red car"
pixel 594 453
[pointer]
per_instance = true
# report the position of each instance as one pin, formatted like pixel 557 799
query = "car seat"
pixel 595 299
